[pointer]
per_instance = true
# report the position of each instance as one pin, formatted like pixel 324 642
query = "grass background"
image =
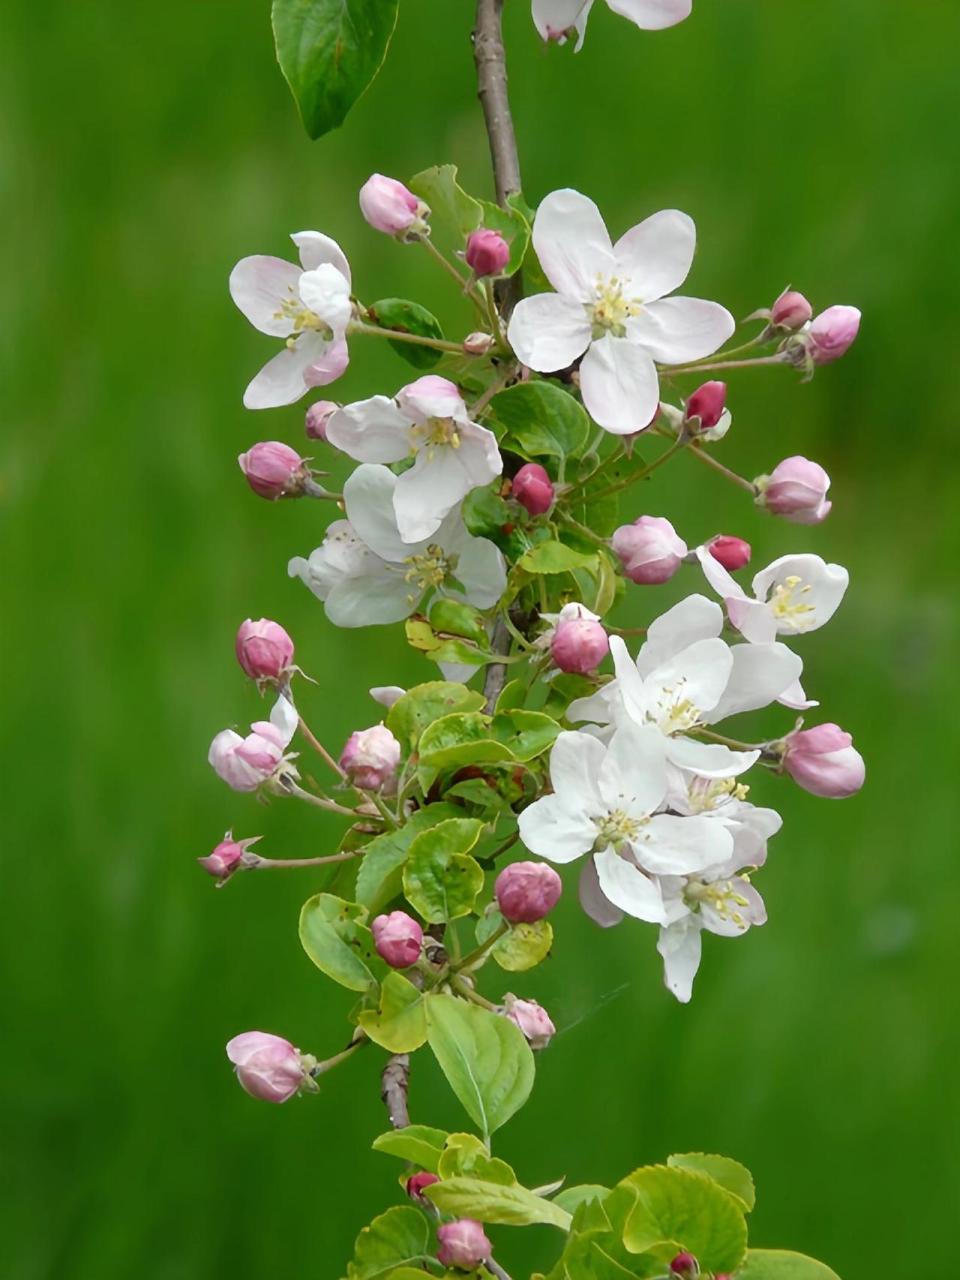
pixel 143 150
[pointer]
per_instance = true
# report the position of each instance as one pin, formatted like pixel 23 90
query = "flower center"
pixel 787 602
pixel 674 711
pixel 722 897
pixel 707 794
pixel 610 310
pixel 428 570
pixel 435 433
pixel 616 827
pixel 301 317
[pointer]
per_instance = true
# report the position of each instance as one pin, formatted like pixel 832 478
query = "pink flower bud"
pixel 398 939
pixel 273 470
pixel 832 333
pixel 532 1019
pixel 226 857
pixel 649 549
pixel 533 488
pixel 579 645
pixel 477 344
pixel 797 490
pixel 732 553
pixel 245 763
pixel 487 252
pixel 318 414
pixel 791 310
pixel 462 1244
pixel 824 761
pixel 527 891
pixel 685 1264
pixel 268 1067
pixel 416 1184
pixel 371 757
pixel 388 206
pixel 707 403
pixel 264 650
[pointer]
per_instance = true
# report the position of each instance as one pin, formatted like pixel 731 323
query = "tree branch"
pixel 489 56
pixel 394 1084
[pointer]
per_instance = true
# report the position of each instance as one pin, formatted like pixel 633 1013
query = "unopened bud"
pixel 268 1067
pixel 685 1264
pixel 579 645
pixel 226 857
pixel 317 417
pixel 477 344
pixel 417 1183
pixel 650 550
pixel 398 939
pixel 527 891
pixel 246 763
pixel 707 405
pixel 532 1019
pixel 824 761
pixel 264 650
pixel 733 553
pixel 533 488
pixel 390 207
pixel 832 333
pixel 371 757
pixel 462 1244
pixel 274 470
pixel 487 252
pixel 791 311
pixel 797 490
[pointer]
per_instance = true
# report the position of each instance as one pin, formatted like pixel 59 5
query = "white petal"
pixel 719 578
pixel 258 285
pixel 482 571
pixel 316 248
pixel 675 330
pixel 657 253
pixel 653 15
pixel 281 380
pixel 710 759
pixel 551 17
pixel 628 888
pixel 795 698
pixel 329 366
pixel 753 619
pixel 552 831
pixel 368 499
pixel 821 588
pixel 695 618
pixel 680 946
pixel 440 477
pixel 572 244
pixel 634 773
pixel 284 716
pixel 760 674
pixel 629 688
pixel 680 846
pixel 594 901
pixel 697 675
pixel 326 291
pixel 548 332
pixel 619 385
pixel 431 397
pixel 371 430
pixel 372 600
pixel 575 763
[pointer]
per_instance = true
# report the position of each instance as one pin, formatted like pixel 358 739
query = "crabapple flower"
pixel 791 311
pixel 268 1067
pixel 611 308
pixel 733 553
pixel 371 757
pixel 650 550
pixel 792 595
pixel 678 422
pixel 824 761
pixel 555 18
pixel 462 1244
pixel 226 857
pixel 308 306
pixel 487 253
pixel 527 891
pixel 388 206
pixel 274 470
pixel 706 406
pixel 366 574
pixel 797 490
pixel 832 333
pixel 533 488
pixel 264 649
pixel 428 419
pixel 398 939
pixel 247 763
pixel 317 416
pixel 579 643
pixel 532 1019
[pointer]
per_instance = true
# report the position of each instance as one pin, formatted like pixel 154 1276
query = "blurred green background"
pixel 143 150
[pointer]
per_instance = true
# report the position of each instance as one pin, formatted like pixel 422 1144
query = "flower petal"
pixel 674 330
pixel 710 759
pixel 482 572
pixel 696 677
pixel 628 888
pixel 551 830
pixel 695 618
pixel 653 15
pixel 371 430
pixel 760 674
pixel 681 846
pixel 281 380
pixel 656 254
pixel 820 587
pixel 431 397
pixel 553 17
pixel 680 945
pixel 372 600
pixel 619 385
pixel 548 332
pixel 316 248
pixel 326 291
pixel 329 366
pixel 572 244
pixel 368 500
pixel 594 901
pixel 258 285
pixel 633 777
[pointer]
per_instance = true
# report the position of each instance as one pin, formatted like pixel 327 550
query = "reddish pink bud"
pixel 579 645
pixel 317 417
pixel 533 488
pixel 797 490
pixel 487 252
pixel 268 1067
pixel 477 344
pixel 389 206
pixel 707 403
pixel 264 650
pixel 791 310
pixel 527 891
pixel 273 470
pixel 732 553
pixel 462 1244
pixel 833 333
pixel 532 1019
pixel 226 857
pixel 649 549
pixel 416 1184
pixel 398 939
pixel 371 757
pixel 685 1264
pixel 824 761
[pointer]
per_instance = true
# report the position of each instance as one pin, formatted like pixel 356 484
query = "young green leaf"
pixel 397 1238
pixel 399 1024
pixel 492 1202
pixel 380 873
pixel 779 1264
pixel 339 943
pixel 441 880
pixel 418 1143
pixel 729 1174
pixel 554 557
pixel 452 210
pixel 541 420
pixel 421 705
pixel 461 739
pixel 524 947
pixel 570 1198
pixel 408 317
pixel 526 733
pixel 464 1155
pixel 685 1210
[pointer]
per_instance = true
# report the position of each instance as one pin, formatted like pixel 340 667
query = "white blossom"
pixel 554 18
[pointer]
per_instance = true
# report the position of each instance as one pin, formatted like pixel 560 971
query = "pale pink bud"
pixel 824 761
pixel 832 333
pixel 579 645
pixel 317 417
pixel 371 757
pixel 245 763
pixel 685 1264
pixel 533 488
pixel 707 403
pixel 398 939
pixel 477 344
pixel 264 650
pixel 462 1244
pixel 650 550
pixel 527 891
pixel 416 1184
pixel 268 1067
pixel 797 490
pixel 487 252
pixel 791 310
pixel 389 206
pixel 532 1019
pixel 733 553
pixel 273 470
pixel 226 857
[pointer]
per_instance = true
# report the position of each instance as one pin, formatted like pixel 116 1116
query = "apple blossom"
pixel 791 596
pixel 797 490
pixel 705 407
pixel 832 333
pixel 533 488
pixel 371 758
pixel 555 18
pixel 398 939
pixel 462 1244
pixel 579 642
pixel 532 1019
pixel 268 1067
pixel 611 308
pixel 487 253
pixel 477 344
pixel 226 857
pixel 247 763
pixel 389 206
pixel 308 306
pixel 317 417
pixel 824 761
pixel 428 419
pixel 650 550
pixel 791 311
pixel 264 649
pixel 274 470
pixel 733 553
pixel 527 891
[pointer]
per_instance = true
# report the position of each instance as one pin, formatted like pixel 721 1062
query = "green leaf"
pixel 524 947
pixel 572 1197
pixel 408 317
pixel 486 514
pixel 451 617
pixel 461 739
pixel 563 690
pixel 418 1143
pixel 329 52
pixel 336 940
pixel 420 706
pixel 685 1210
pixel 779 1264
pixel 526 733
pixel 464 1155
pixel 730 1174
pixel 491 1202
pixel 399 1023
pixel 512 696
pixel 441 880
pixel 541 420
pixel 554 557
pixel 380 873
pixel 451 208
pixel 487 1061
pixel 397 1238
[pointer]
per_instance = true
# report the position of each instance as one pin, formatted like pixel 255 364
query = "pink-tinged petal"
pixel 553 17
pixel 656 254
pixel 371 430
pixel 572 244
pixel 329 366
pixel 710 759
pixel 282 380
pixel 285 719
pixel 675 330
pixel 820 588
pixel 427 492
pixel 368 500
pixel 258 286
pixel 680 947
pixel 760 674
pixel 431 397
pixel 594 901
pixel 619 385
pixel 653 15
pixel 795 698
pixel 625 885
pixel 695 618
pixel 719 578
pixel 681 846
pixel 548 332
pixel 316 248
pixel 326 291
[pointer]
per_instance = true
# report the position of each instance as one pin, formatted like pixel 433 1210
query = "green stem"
pixel 463 283
pixel 397 335
pixel 679 444
pixel 464 989
pixel 253 861
pixel 329 1063
pixel 727 742
pixel 493 315
pixel 320 802
pixel 709 461
pixel 583 530
pixel 479 953
pixel 723 364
